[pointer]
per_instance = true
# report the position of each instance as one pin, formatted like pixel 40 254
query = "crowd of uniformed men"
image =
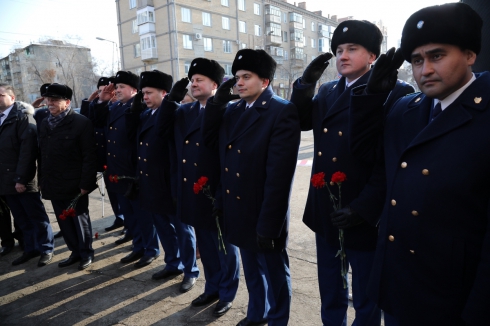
pixel 416 200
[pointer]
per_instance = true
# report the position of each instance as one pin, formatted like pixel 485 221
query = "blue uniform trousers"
pixel 187 246
pixel 30 215
pixel 269 286
pixel 77 231
pixel 332 293
pixel 132 215
pixel 222 271
pixel 113 198
pixel 390 320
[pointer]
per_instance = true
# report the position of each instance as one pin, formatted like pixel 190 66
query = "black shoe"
pixel 124 239
pixel 133 256
pixel 166 273
pixel 247 322
pixel 204 299
pixel 68 261
pixel 145 261
pixel 45 259
pixel 6 250
pixel 58 235
pixel 114 226
pixel 26 256
pixel 84 263
pixel 187 284
pixel 222 308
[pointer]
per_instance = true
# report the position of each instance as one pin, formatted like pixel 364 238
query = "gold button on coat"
pixel 227 191
pixel 415 213
pixel 425 172
pixel 141 143
pixel 334 159
pixel 185 179
pixel 238 197
pixel 186 142
pixel 238 175
pixel 229 146
pixel 197 144
pixel 319 153
pixel 325 130
pixel 183 161
pixel 340 133
pixel 404 165
pixel 391 238
pixel 412 252
pixel 393 202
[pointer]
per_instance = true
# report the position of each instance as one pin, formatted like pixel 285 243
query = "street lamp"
pixel 113 50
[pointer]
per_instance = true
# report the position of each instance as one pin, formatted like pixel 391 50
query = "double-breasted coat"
pixel 327 114
pixel 153 164
pixel 87 109
pixel 182 125
pixel 432 261
pixel 258 150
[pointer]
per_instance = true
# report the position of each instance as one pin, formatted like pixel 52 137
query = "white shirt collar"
pixel 249 105
pixel 452 97
pixel 352 82
pixel 6 113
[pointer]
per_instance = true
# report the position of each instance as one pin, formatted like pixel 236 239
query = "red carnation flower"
pixel 62 217
pixel 202 181
pixel 71 212
pixel 318 180
pixel 197 187
pixel 96 235
pixel 105 167
pixel 338 177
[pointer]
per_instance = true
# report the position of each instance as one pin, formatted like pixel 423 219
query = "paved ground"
pixel 110 293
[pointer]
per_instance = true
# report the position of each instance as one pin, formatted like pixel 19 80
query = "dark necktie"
pixel 1 116
pixel 436 110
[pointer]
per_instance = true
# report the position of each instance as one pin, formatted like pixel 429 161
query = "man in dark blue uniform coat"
pixel 154 172
pixel 258 139
pixel 68 168
pixel 121 161
pixel 194 160
pixel 18 180
pixel 356 45
pixel 432 261
pixel 88 109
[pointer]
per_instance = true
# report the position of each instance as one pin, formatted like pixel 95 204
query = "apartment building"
pixel 51 61
pixel 167 35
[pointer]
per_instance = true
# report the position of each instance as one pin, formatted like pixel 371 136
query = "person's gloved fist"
pixel 137 105
pixel 316 68
pixel 177 93
pixel 345 218
pixel 265 243
pixel 223 94
pixel 385 72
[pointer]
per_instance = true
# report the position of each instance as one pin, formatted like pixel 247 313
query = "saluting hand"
pixel 137 105
pixel 93 96
pixel 385 72
pixel 177 93
pixel 107 93
pixel 316 68
pixel 224 93
pixel 37 102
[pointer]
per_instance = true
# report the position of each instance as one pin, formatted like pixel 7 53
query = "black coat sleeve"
pixel 27 135
pixel 211 122
pixel 89 156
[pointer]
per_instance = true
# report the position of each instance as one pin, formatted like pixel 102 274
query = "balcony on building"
pixel 296 40
pixel 149 52
pixel 145 3
pixel 297 58
pixel 273 34
pixel 146 26
pixel 277 53
pixel 295 21
pixel 146 20
pixel 272 14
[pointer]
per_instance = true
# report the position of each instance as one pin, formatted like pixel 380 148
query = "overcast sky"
pixel 24 21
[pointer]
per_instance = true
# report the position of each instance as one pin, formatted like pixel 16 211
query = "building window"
pixel 227 69
pixel 242 27
pixel 208 44
pixel 284 17
pixel 187 66
pixel 154 67
pixel 243 46
pixel 273 29
pixel 225 3
pixel 312 26
pixel 304 23
pixel 257 9
pixel 313 43
pixel 206 19
pixel 132 4
pixel 225 22
pixel 148 42
pixel 227 46
pixel 135 26
pixel 146 17
pixel 241 5
pixel 257 30
pixel 186 15
pixel 187 42
pixel 286 56
pixel 137 50
pixel 294 17
pixel 284 36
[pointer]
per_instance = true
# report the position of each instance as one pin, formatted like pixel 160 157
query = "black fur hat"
pixel 208 68
pixel 257 61
pixel 156 79
pixel 58 91
pixel 43 88
pixel 359 32
pixel 128 78
pixel 104 81
pixel 451 23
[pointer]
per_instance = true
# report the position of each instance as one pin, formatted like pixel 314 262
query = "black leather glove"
pixel 345 218
pixel 177 93
pixel 265 243
pixel 385 72
pixel 223 94
pixel 137 105
pixel 316 68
